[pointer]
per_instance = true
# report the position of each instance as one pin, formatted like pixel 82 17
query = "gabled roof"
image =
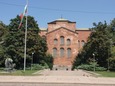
pixel 60 20
pixel 77 29
pixel 63 28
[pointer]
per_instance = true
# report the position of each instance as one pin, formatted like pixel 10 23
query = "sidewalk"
pixel 59 77
pixel 65 73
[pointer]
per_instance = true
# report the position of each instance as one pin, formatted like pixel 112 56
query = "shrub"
pixel 100 69
pixel 90 67
pixel 45 61
pixel 37 67
pixel 49 61
pixel 86 67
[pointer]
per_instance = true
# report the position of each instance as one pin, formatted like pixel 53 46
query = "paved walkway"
pixel 65 73
pixel 61 76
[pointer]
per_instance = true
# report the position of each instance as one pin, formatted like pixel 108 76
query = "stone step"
pixel 61 67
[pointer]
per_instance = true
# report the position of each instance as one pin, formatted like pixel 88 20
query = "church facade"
pixel 64 41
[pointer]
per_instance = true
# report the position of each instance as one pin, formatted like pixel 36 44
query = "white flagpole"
pixel 25 40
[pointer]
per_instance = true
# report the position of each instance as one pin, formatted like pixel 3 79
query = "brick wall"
pixel 73 46
pixel 66 29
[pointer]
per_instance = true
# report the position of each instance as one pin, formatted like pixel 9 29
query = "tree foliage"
pixel 98 46
pixel 3 32
pixel 112 58
pixel 14 41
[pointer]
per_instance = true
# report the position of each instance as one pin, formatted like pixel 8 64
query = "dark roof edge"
pixel 54 22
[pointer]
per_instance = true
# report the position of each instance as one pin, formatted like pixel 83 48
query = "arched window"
pixel 82 43
pixel 69 52
pixel 55 41
pixel 54 52
pixel 61 52
pixel 68 41
pixel 78 44
pixel 62 40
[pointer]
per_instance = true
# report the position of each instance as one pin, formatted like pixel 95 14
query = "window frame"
pixel 82 43
pixel 55 41
pixel 54 52
pixel 61 40
pixel 69 52
pixel 68 42
pixel 62 52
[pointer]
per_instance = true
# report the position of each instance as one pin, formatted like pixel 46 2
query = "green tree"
pixel 112 59
pixel 112 32
pixel 3 32
pixel 14 41
pixel 98 44
pixel 112 29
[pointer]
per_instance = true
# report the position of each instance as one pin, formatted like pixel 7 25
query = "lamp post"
pixel 94 61
pixel 108 62
pixel 108 58
pixel 108 65
pixel 32 60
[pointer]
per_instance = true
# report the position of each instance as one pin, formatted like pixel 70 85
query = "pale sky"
pixel 83 12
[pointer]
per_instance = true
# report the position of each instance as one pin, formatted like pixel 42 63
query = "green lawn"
pixel 19 73
pixel 106 73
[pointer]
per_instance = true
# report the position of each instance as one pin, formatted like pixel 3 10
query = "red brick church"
pixel 64 41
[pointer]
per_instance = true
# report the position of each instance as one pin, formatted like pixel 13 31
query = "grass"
pixel 106 73
pixel 19 73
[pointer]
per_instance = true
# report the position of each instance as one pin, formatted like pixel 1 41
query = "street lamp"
pixel 94 61
pixel 108 61
pixel 32 60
